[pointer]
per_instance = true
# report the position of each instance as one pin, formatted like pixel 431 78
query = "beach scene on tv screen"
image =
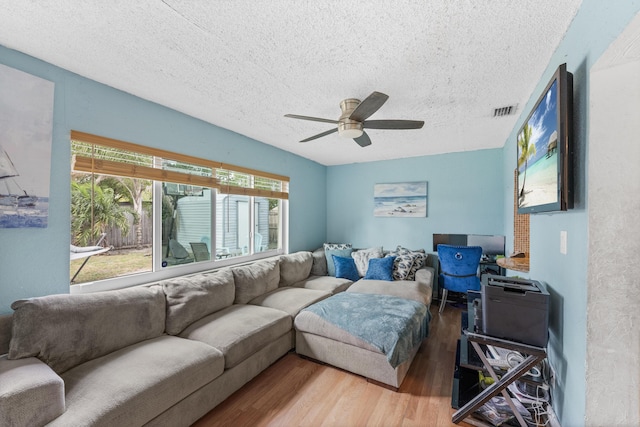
pixel 538 154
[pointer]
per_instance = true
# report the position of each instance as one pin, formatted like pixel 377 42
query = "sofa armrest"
pixel 31 393
pixel 5 332
pixel 425 277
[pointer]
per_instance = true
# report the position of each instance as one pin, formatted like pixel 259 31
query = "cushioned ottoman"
pixel 380 347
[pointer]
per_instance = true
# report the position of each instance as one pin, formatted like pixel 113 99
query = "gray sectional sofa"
pixel 161 354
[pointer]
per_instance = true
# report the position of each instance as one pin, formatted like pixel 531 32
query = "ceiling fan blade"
pixel 393 124
pixel 313 119
pixel 320 135
pixel 370 105
pixel 363 140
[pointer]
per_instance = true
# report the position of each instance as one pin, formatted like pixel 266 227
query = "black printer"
pixel 515 310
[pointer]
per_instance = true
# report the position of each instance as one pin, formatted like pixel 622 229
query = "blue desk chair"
pixel 458 269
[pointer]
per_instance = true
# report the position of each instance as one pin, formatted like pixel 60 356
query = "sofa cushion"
pixel 346 268
pixel 380 269
pixel 319 267
pixel 408 289
pixel 31 394
pixel 66 330
pixel 295 267
pixel 133 385
pixel 190 298
pixel 290 300
pixel 255 279
pixel 324 283
pixel 240 330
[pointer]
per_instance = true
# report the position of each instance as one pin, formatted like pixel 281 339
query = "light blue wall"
pixel 465 195
pixel 35 262
pixel 595 26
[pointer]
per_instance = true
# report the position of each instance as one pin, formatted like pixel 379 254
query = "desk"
pixel 491 267
pixel 517 264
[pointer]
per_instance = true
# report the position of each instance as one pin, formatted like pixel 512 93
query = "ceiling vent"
pixel 504 111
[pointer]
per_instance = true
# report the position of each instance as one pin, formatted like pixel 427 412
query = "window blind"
pixel 102 155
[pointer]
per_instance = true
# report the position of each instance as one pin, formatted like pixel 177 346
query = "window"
pixel 166 214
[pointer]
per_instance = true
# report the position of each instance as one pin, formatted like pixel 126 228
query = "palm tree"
pixel 133 190
pixel 93 209
pixel 526 149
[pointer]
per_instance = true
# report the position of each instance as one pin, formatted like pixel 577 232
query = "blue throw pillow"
pixel 331 268
pixel 346 268
pixel 380 269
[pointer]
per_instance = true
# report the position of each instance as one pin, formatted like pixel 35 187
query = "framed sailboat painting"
pixel 26 127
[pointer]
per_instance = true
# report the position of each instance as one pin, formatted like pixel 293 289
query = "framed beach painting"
pixel 400 200
pixel 26 127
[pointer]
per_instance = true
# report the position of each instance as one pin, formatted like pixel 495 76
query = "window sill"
pixel 168 273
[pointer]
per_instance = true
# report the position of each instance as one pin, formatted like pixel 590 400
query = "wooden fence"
pixel 118 241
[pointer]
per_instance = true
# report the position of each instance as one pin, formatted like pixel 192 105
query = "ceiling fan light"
pixel 351 133
pixel 350 129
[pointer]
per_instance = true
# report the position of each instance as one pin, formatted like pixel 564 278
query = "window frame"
pixel 81 164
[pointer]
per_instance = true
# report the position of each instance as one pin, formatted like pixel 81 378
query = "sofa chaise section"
pixel 321 340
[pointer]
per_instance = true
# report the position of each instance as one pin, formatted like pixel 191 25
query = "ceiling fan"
pixel 353 119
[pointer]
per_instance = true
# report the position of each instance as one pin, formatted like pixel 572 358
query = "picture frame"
pixel 400 200
pixel 26 130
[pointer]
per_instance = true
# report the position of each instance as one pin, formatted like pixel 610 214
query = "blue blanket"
pixel 393 325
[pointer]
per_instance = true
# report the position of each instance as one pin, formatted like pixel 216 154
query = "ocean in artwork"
pixel 12 215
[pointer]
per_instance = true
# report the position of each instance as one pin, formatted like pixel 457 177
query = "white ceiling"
pixel 243 64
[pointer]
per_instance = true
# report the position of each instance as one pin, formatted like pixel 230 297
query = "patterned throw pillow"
pixel 419 260
pixel 401 265
pixel 331 246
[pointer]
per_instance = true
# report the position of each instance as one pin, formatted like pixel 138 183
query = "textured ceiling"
pixel 242 65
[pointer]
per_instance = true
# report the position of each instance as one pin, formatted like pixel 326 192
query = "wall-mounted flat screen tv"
pixel 544 153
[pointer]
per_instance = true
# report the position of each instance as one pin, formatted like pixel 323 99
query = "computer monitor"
pixel 449 239
pixel 492 245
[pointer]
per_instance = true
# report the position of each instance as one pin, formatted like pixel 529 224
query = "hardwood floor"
pixel 300 392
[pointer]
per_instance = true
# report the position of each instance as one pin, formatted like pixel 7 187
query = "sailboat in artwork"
pixel 11 194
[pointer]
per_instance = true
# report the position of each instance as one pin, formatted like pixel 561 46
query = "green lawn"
pixel 110 265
